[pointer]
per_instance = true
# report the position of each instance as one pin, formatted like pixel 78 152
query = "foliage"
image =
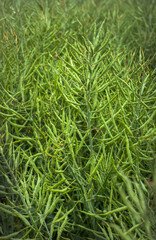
pixel 77 120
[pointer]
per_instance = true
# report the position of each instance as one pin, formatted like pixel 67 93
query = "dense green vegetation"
pixel 77 120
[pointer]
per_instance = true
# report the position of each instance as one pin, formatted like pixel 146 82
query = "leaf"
pixel 9 236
